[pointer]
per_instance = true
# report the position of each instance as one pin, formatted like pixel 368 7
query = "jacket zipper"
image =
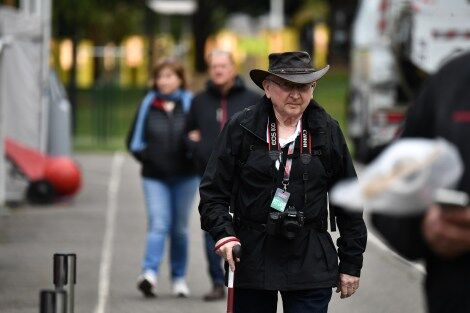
pixel 171 129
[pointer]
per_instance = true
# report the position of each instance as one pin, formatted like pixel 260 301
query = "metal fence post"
pixel 72 276
pixel 60 301
pixel 52 301
pixel 46 301
pixel 65 272
pixel 60 270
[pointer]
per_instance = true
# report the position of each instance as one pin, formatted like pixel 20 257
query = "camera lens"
pixel 290 228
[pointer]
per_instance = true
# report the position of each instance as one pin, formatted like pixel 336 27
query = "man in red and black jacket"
pixel 225 94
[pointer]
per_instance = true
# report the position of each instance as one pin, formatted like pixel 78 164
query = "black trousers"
pixel 297 301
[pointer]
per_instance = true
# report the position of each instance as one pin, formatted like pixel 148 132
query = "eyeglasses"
pixel 289 87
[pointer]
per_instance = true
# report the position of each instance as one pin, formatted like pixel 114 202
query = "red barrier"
pixel 48 176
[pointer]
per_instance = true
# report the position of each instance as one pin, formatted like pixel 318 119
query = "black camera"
pixel 287 224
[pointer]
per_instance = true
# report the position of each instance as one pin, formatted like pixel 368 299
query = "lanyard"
pixel 276 155
pixel 288 166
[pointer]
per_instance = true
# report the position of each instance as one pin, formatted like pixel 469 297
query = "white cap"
pixel 403 179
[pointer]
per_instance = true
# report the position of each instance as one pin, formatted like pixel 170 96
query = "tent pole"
pixel 3 209
pixel 44 10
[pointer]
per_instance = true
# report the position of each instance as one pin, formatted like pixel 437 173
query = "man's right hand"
pixel 347 285
pixel 447 231
pixel 225 250
pixel 195 135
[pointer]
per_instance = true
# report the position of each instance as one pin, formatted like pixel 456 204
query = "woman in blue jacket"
pixel 156 140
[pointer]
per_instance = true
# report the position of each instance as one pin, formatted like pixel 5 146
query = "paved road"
pixel 105 226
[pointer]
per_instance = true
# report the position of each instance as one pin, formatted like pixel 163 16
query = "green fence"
pixel 103 117
pixel 104 113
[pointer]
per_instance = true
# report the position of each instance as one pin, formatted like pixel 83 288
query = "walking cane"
pixel 236 252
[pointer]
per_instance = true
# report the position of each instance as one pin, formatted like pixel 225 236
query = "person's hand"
pixel 195 135
pixel 225 250
pixel 447 231
pixel 347 285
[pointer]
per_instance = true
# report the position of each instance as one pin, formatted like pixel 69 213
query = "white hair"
pixel 217 52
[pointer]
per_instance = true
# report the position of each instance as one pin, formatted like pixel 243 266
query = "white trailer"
pixel 34 110
pixel 396 44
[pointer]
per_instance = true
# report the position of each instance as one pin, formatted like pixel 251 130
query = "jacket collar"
pixel 238 84
pixel 256 122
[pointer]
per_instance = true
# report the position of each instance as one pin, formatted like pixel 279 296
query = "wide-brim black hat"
pixel 293 66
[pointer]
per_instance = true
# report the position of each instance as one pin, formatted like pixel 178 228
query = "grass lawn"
pixel 331 94
pixel 104 114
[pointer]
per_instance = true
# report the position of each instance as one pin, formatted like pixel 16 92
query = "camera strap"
pixel 275 152
pixel 305 158
pixel 276 155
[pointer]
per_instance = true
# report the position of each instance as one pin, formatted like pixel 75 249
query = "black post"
pixel 65 277
pixel 203 25
pixel 47 301
pixel 150 18
pixel 52 301
pixel 60 270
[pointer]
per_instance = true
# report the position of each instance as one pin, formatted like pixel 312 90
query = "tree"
pixel 99 20
pixel 11 3
pixel 211 15
pixel 205 21
pixel 340 22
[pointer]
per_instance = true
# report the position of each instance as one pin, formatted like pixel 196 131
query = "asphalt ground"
pixel 105 226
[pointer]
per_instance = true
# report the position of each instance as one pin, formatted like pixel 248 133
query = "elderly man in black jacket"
pixel 225 94
pixel 273 165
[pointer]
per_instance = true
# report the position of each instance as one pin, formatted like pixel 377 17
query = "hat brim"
pixel 257 76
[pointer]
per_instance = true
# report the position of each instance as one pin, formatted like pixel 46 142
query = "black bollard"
pixel 65 277
pixel 47 301
pixel 60 270
pixel 52 301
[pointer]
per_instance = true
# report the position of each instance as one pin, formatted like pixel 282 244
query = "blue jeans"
pixel 214 261
pixel 169 204
pixel 295 301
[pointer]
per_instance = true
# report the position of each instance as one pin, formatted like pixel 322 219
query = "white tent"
pixel 24 83
pixel 20 70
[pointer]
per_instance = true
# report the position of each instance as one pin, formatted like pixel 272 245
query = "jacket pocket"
pixel 250 270
pixel 312 259
pixel 258 167
pixel 329 251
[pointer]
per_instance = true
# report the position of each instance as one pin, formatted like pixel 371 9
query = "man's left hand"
pixel 347 285
pixel 195 135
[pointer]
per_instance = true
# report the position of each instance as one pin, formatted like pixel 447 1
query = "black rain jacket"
pixel 441 110
pixel 166 153
pixel 273 262
pixel 203 117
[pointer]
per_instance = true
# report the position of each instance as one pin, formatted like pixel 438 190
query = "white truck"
pixel 396 44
